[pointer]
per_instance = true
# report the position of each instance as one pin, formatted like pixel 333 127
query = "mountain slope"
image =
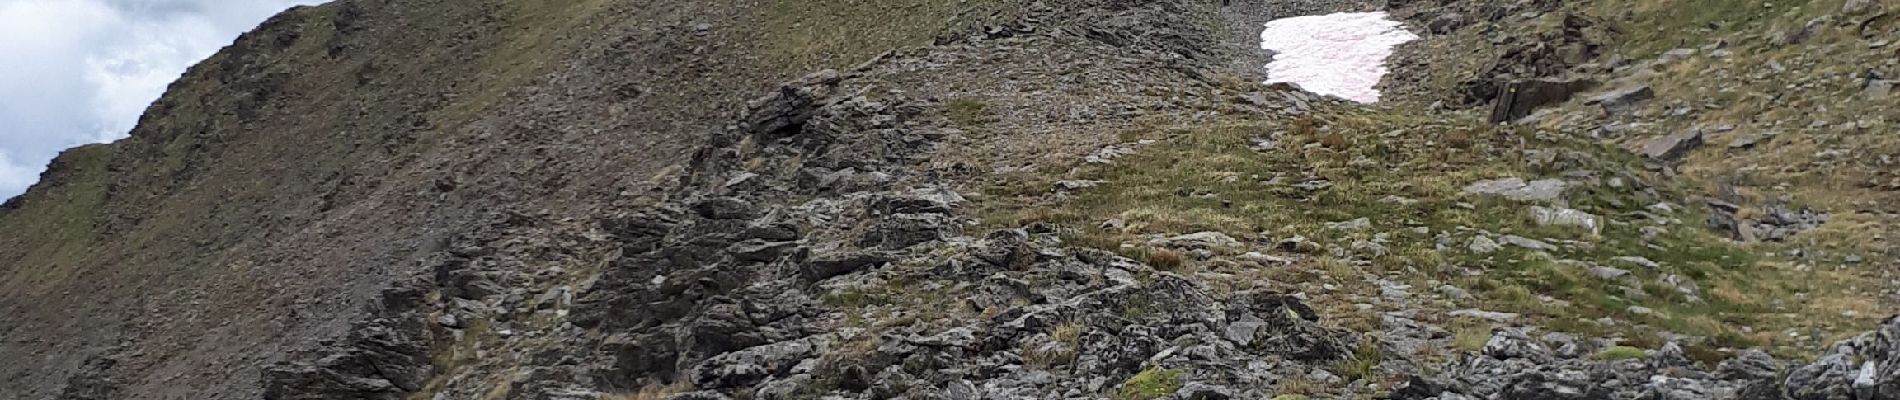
pixel 278 184
pixel 609 199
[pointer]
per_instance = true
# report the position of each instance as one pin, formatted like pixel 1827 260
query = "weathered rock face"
pixel 1517 99
pixel 378 362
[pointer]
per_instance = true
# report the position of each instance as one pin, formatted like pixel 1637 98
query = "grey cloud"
pixel 81 71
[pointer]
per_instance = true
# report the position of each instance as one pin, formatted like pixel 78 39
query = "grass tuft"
pixel 1152 383
pixel 1621 353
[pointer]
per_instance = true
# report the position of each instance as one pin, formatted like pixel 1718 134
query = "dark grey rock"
pixel 1622 101
pixel 1749 365
pixel 906 230
pixel 1203 391
pixel 1673 146
pixel 1517 99
pixel 1507 344
pixel 832 264
pixel 786 110
pixel 725 208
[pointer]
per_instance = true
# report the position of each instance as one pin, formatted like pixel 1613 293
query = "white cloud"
pixel 74 72
pixel 1335 54
pixel 14 175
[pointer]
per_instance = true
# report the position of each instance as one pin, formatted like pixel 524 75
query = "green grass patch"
pixel 1152 383
pixel 969 112
pixel 1363 364
pixel 1651 27
pixel 1621 353
pixel 59 222
pixel 1405 172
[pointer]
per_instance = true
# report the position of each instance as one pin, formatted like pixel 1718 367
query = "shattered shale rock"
pixel 1518 99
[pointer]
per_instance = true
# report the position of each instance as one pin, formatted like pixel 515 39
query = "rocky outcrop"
pixel 381 359
pixel 1519 98
pixel 830 239
pixel 1514 366
pixel 1776 221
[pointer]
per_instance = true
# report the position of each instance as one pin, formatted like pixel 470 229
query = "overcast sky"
pixel 74 72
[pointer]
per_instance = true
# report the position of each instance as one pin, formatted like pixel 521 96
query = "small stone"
pixel 1454 292
pixel 1506 344
pixel 1622 100
pixel 449 320
pixel 1492 316
pixel 1651 233
pixel 1673 146
pixel 1199 241
pixel 1075 185
pixel 1368 248
pixel 1265 259
pixel 1527 243
pixel 1483 245
pixel 1675 55
pixel 1640 310
pixel 1608 273
pixel 1399 200
pixel 1638 261
pixel 725 208
pixel 1519 190
pixel 1879 89
pixel 1353 225
pixel 1298 244
pixel 829 265
pixel 1203 391
pixel 1322 376
pixel 1745 141
pixel 1559 216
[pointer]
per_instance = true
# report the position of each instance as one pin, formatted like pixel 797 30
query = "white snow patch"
pixel 1335 54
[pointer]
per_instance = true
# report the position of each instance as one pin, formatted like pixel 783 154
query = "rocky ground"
pixel 1093 199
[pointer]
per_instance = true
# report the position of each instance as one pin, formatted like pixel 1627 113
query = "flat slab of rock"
pixel 1638 261
pixel 1877 90
pixel 1484 245
pixel 1527 243
pixel 1673 146
pixel 1622 100
pixel 1199 240
pixel 1518 189
pixel 1559 216
pixel 1492 316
